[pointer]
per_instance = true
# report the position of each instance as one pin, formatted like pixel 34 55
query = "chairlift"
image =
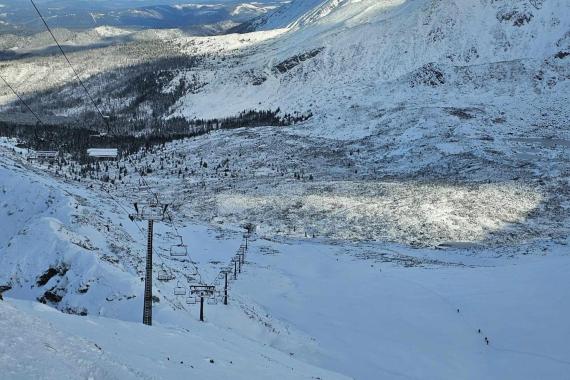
pixel 193 271
pixel 164 275
pixel 41 155
pixel 106 152
pixel 103 153
pixel 179 290
pixel 212 301
pixel 143 187
pixel 179 250
pixel 151 210
pixel 192 300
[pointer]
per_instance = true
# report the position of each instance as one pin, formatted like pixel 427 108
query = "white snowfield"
pixel 47 224
pixel 364 310
pixel 372 47
pixel 437 124
pixel 39 342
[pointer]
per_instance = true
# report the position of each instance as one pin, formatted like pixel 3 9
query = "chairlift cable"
pixel 22 100
pixel 72 68
pixel 155 195
pixel 135 222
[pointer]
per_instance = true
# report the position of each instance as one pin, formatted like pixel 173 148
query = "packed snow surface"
pixel 39 342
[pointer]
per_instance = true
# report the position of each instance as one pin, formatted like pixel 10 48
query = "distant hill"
pixel 20 17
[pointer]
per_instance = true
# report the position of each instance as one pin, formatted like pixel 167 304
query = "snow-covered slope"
pixel 284 16
pixel 436 123
pixel 363 309
pixel 33 348
pixel 447 91
pixel 41 343
pixel 74 249
pixel 55 250
pixel 368 45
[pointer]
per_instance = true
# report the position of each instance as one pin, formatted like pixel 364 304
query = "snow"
pixel 64 226
pixel 40 342
pixel 32 348
pixel 287 14
pixel 375 318
pixel 109 31
pixel 426 198
pixel 356 308
pixel 407 36
pixel 252 8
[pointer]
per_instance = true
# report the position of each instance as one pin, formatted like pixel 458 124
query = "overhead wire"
pixel 176 229
pixel 135 222
pixel 221 271
pixel 155 195
pixel 22 100
pixel 82 84
pixel 72 68
pixel 80 81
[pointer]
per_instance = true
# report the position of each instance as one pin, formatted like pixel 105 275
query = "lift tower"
pixel 203 291
pixel 151 210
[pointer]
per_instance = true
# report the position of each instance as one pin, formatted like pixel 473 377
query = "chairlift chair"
pixel 191 300
pixel 179 250
pixel 179 290
pixel 143 187
pixel 103 153
pixel 41 155
pixel 212 301
pixel 150 210
pixel 164 275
